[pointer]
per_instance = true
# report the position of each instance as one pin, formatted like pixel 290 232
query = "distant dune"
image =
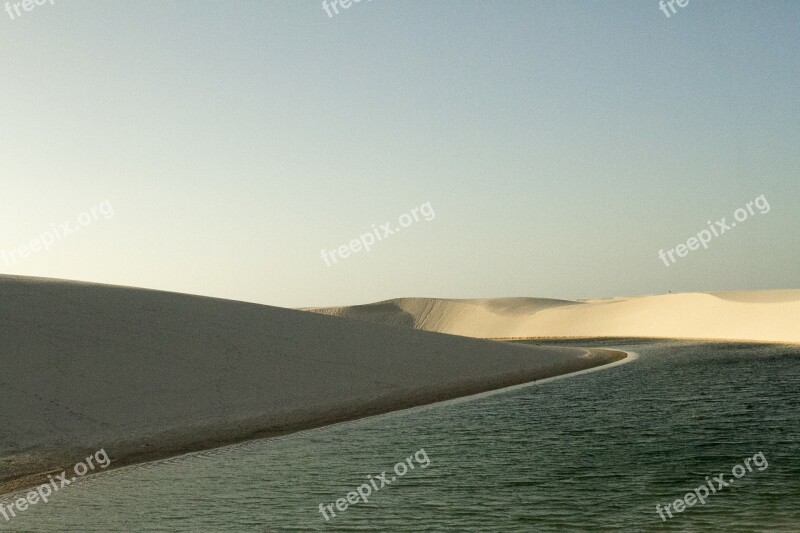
pixel 147 374
pixel 772 316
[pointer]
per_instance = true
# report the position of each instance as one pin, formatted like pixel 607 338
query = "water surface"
pixel 594 452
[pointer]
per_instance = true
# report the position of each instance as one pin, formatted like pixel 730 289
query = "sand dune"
pixel 146 374
pixel 772 316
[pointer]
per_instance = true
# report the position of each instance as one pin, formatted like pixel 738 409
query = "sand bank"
pixel 146 374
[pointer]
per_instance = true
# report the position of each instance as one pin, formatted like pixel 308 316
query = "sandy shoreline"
pixel 622 338
pixel 182 441
pixel 148 374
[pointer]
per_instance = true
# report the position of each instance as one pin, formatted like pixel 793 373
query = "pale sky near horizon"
pixel 561 145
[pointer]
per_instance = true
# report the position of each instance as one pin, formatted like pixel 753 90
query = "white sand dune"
pixel 147 374
pixel 772 316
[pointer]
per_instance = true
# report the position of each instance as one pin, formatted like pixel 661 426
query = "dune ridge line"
pixel 147 374
pixel 748 316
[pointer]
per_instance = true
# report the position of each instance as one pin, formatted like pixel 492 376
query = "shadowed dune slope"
pixel 147 374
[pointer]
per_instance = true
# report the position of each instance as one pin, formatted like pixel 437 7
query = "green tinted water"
pixel 595 452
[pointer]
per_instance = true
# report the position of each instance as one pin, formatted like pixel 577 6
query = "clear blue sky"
pixel 561 145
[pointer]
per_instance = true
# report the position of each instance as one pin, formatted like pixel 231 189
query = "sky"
pixel 217 148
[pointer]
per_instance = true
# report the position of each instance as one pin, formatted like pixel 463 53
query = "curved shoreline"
pixel 175 443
